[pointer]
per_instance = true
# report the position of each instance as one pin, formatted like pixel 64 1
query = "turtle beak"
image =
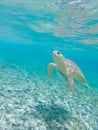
pixel 55 51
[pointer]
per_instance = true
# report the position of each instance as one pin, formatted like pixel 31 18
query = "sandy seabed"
pixel 31 101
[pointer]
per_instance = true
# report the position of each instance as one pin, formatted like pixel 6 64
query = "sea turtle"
pixel 68 68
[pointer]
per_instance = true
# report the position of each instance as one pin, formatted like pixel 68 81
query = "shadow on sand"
pixel 55 116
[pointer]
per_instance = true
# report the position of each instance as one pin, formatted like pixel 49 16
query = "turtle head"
pixel 57 56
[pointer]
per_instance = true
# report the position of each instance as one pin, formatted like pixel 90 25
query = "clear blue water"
pixel 29 32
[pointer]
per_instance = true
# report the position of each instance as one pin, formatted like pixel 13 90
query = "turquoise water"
pixel 29 32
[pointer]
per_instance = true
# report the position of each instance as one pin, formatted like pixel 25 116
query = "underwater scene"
pixel 48 65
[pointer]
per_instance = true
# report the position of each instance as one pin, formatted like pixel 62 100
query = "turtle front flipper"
pixel 70 78
pixel 51 67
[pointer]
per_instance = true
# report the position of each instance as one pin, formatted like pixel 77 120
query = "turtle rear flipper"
pixel 87 85
pixel 51 67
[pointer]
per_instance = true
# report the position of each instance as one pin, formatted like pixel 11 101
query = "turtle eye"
pixel 58 53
